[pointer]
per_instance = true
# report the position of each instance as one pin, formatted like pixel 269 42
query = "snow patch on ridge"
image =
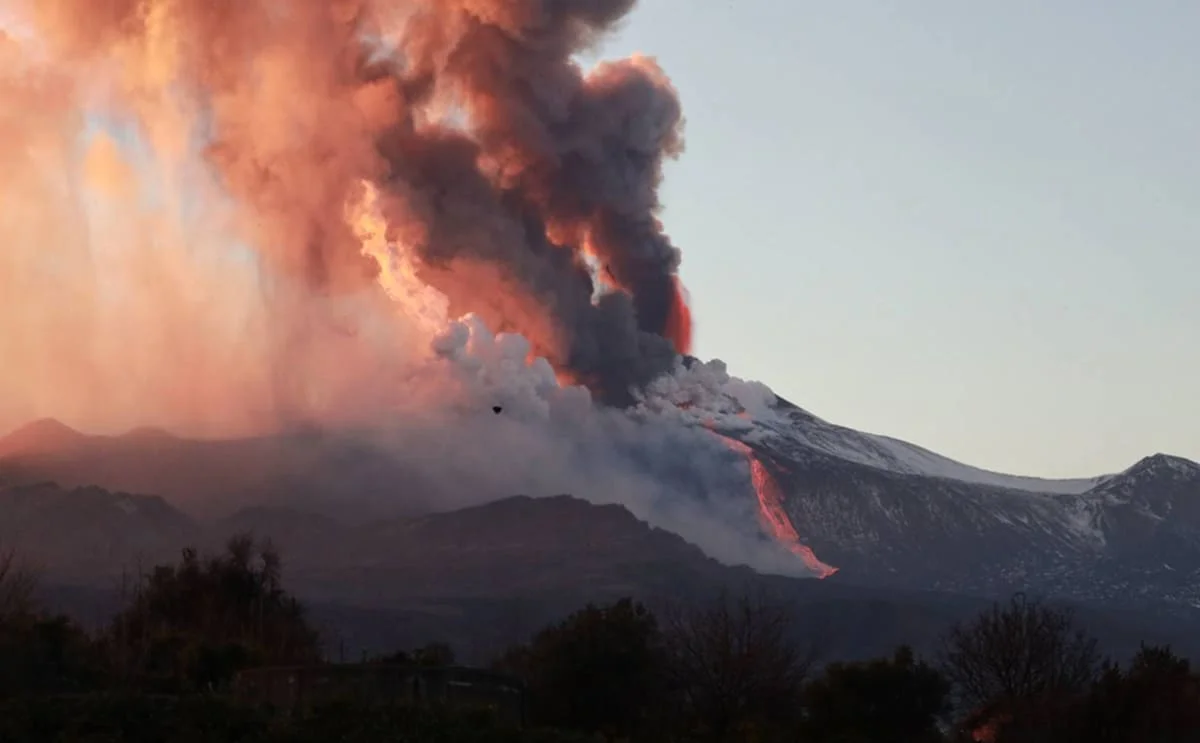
pixel 893 455
pixel 705 394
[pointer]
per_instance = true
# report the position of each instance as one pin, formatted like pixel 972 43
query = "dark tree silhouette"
pixel 880 701
pixel 597 671
pixel 1157 699
pixel 17 584
pixel 1015 657
pixel 39 653
pixel 736 671
pixel 47 655
pixel 195 623
pixel 433 654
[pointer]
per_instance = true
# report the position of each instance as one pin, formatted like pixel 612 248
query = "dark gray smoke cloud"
pixel 575 156
pixel 500 163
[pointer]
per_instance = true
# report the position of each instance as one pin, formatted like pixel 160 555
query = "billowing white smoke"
pixel 658 459
pixel 705 394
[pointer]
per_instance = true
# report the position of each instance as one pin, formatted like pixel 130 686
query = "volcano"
pixel 885 513
pixel 384 259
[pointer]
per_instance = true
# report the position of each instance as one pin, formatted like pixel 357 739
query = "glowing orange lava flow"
pixel 770 510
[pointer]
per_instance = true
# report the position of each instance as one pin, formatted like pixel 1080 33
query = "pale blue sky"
pixel 974 226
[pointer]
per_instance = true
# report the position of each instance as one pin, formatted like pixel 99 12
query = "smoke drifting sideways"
pixel 229 218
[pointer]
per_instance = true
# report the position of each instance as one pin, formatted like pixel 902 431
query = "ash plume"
pixel 231 218
pixel 500 164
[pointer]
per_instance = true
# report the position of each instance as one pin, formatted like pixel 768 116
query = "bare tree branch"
pixel 17 586
pixel 1016 653
pixel 735 661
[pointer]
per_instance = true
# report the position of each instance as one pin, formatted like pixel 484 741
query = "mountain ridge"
pixel 49 436
pixel 896 455
pixel 889 525
pixel 886 513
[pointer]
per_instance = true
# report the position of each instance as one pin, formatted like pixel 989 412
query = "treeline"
pixel 1021 672
pixel 184 628
pixel 732 670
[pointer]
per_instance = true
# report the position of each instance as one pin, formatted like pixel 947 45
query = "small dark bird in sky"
pixel 496 409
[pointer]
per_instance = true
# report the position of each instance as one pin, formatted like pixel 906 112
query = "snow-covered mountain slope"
pixel 704 394
pixel 887 512
pixel 886 453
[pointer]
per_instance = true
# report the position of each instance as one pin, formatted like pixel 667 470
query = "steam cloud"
pixel 657 459
pixel 229 216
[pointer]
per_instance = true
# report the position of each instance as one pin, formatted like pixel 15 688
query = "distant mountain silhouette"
pixel 214 478
pixel 46 435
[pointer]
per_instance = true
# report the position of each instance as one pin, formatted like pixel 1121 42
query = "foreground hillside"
pixel 480 577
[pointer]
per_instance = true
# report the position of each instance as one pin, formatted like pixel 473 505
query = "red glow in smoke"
pixel 679 322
